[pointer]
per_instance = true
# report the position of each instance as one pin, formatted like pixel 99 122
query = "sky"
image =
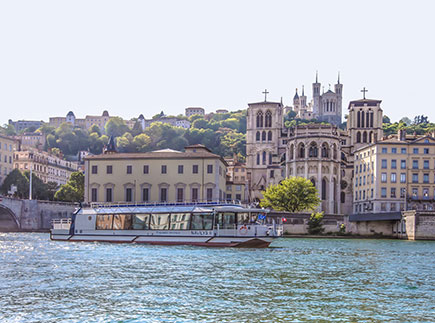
pixel 141 57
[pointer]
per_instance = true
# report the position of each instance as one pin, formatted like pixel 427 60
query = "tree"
pixel 386 119
pixel 8 130
pixel 94 128
pixel 406 121
pixel 17 178
pixel 141 142
pixel 116 127
pixel 294 194
pixel 315 223
pixel 73 190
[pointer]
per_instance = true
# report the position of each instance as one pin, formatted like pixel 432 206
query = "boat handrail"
pixel 95 205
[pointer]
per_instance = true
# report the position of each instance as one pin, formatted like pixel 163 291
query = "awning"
pixel 386 216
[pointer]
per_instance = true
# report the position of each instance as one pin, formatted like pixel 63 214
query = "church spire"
pixel 338 81
pixel 303 94
pixel 317 77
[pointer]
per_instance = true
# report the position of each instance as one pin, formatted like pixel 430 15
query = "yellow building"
pixel 7 148
pixel 47 167
pixel 159 176
pixel 395 173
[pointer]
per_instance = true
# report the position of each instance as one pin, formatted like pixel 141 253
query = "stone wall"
pixel 420 225
pixel 297 223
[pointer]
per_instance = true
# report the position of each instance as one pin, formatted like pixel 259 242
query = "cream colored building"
pixel 159 176
pixel 194 110
pixel 8 146
pixel 33 140
pixel 395 173
pixel 85 123
pixel 47 167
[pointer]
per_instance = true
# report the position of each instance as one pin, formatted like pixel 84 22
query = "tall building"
pixel 394 174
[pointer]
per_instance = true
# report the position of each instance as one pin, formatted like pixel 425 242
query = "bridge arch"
pixel 8 219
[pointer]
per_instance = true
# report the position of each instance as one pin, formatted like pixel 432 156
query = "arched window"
pixel 342 197
pixel 263 136
pixel 312 151
pixel 268 119
pixel 362 119
pixel 270 158
pixel 291 152
pixel 371 136
pixel 258 159
pixel 259 119
pixel 264 158
pixel 269 136
pixel 301 150
pixel 358 120
pixel 358 137
pixel 257 136
pixel 368 113
pixel 364 138
pixel 323 189
pixel 325 150
pixel 371 119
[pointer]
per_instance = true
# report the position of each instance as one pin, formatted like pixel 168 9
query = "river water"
pixel 295 280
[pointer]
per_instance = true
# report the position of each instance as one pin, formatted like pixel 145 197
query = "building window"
pixel 393 192
pixel 393 178
pixel 383 206
pixel 394 150
pixel 194 194
pixel 384 177
pixel 180 169
pixel 415 193
pixel 209 169
pixel 383 192
pixel 238 197
pixel 393 164
pixel 109 169
pixel 426 178
pixel 269 136
pixel 128 195
pixel 384 163
pixel 195 169
pixel 145 194
pixel 109 197
pixel 426 151
pixel 257 136
pixel 94 195
pixel 402 177
pixel 209 194
pixel 146 169
pixel 393 207
pixel 402 192
pixel 415 164
pixel 129 169
pixel 403 164
pixel 163 194
pixel 415 151
pixel 323 189
pixel 94 169
pixel 426 193
pixel 426 164
pixel 403 150
pixel 384 150
pixel 180 194
pixel 164 169
pixel 263 136
pixel 415 178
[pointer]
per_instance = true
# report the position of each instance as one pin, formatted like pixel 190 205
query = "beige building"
pixel 8 146
pixel 47 167
pixel 394 174
pixel 159 176
pixel 194 110
pixel 237 188
pixel 33 140
pixel 85 123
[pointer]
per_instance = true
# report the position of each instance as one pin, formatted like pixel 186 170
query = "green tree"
pixel 200 124
pixel 294 194
pixel 8 130
pixel 233 143
pixel 17 178
pixel 141 142
pixel 73 190
pixel 116 127
pixel 315 225
pixel 94 128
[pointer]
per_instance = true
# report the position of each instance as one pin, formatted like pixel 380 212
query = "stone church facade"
pixel 322 153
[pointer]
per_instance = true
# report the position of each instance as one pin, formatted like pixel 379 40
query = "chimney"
pixel 401 134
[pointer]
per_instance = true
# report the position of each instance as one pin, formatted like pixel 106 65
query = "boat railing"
pixel 61 224
pixel 149 204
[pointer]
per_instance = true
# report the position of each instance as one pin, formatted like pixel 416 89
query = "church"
pixel 322 153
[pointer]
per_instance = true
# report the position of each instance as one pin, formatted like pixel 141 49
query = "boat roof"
pixel 123 209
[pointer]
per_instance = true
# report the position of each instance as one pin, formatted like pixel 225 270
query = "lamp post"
pixel 30 182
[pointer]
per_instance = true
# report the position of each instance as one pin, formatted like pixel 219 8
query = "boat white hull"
pixel 206 241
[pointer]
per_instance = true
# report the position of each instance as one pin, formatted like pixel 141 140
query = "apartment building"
pixel 395 174
pixel 8 146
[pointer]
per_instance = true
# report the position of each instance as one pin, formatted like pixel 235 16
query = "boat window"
pixel 104 221
pixel 180 221
pixel 121 221
pixel 226 220
pixel 141 222
pixel 202 221
pixel 242 218
pixel 159 221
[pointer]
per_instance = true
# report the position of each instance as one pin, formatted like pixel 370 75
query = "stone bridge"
pixel 31 215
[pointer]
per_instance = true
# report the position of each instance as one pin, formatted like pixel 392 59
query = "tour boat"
pixel 207 224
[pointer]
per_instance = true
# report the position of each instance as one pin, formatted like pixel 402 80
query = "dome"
pixel 141 117
pixel 70 114
pixel 105 113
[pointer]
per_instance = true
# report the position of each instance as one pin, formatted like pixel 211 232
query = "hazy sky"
pixel 133 57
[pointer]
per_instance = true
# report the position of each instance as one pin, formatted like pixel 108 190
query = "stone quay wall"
pixel 420 225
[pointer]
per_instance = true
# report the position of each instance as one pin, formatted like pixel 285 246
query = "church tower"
pixel 316 97
pixel 364 123
pixel 263 131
